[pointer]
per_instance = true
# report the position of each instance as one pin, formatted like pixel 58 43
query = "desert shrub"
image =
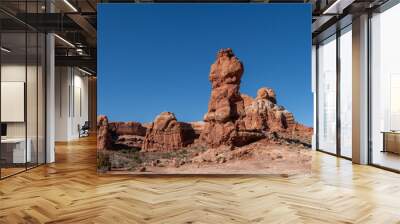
pixel 103 161
pixel 129 150
pixel 136 158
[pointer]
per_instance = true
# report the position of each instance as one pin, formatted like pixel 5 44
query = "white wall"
pixel 71 102
pixel 80 110
pixel 12 73
pixel 62 82
pixel 9 73
pixel 33 127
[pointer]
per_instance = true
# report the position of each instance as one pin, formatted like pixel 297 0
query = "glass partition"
pixel 13 94
pixel 327 95
pixel 346 92
pixel 31 100
pixel 41 96
pixel 22 78
pixel 385 89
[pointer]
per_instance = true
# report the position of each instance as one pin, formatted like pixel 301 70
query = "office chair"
pixel 84 130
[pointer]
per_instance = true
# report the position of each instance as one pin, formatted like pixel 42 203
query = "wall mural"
pixel 231 131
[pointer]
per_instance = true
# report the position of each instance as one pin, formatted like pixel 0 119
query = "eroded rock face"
pixel 126 134
pixel 128 128
pixel 197 126
pixel 238 119
pixel 263 114
pixel 166 133
pixel 225 103
pixel 226 106
pixel 104 140
pixel 247 100
pixel 129 141
pixel 266 94
pixel 232 118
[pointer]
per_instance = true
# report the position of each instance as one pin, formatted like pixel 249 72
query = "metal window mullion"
pixel 69 92
pixel 45 87
pixel 73 92
pixel 369 91
pixel 26 86
pixel 317 97
pixel 37 91
pixel 45 95
pixel 338 81
pixel 0 97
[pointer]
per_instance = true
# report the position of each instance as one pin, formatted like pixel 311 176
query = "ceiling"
pixel 75 21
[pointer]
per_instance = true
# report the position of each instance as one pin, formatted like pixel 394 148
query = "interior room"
pixel 24 97
pixel 22 100
pixel 52 93
pixel 71 103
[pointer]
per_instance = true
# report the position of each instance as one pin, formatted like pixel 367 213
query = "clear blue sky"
pixel 157 57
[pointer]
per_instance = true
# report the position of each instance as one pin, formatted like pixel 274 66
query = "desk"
pixel 13 150
pixel 391 141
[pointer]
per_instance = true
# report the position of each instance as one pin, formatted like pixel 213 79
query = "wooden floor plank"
pixel 71 191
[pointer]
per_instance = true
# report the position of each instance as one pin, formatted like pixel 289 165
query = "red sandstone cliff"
pixel 166 133
pixel 232 118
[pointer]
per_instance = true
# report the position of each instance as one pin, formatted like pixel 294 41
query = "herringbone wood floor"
pixel 70 191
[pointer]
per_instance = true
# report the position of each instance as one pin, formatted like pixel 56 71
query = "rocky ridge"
pixel 232 119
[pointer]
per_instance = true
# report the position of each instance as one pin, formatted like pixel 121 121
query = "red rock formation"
pixel 126 134
pixel 129 141
pixel 232 118
pixel 166 133
pixel 104 140
pixel 225 103
pixel 128 128
pixel 263 114
pixel 237 119
pixel 197 126
pixel 226 106
pixel 248 100
pixel 267 94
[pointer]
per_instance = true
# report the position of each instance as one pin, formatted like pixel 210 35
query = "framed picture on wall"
pixel 192 89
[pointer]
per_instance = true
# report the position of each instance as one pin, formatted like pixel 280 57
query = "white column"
pixel 360 90
pixel 50 99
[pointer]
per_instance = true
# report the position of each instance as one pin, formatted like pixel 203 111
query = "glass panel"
pixel 327 95
pixel 32 88
pixel 346 93
pixel 385 84
pixel 41 98
pixel 31 100
pixel 23 90
pixel 13 89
